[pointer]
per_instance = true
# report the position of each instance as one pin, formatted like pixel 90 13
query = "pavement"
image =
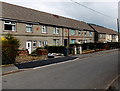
pixel 18 67
pixel 8 69
pixel 93 72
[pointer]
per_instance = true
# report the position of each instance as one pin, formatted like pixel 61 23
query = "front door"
pixel 65 42
pixel 28 46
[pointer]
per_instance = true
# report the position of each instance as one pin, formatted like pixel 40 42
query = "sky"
pixel 70 9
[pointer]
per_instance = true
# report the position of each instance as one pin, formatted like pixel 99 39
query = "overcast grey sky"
pixel 70 9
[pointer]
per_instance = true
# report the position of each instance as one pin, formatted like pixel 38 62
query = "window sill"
pixel 44 33
pixel 56 34
pixel 29 32
pixel 9 31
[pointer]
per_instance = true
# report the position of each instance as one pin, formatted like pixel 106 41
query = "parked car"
pixel 51 55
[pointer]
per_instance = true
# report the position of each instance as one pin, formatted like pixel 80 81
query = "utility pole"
pixel 68 43
pixel 118 32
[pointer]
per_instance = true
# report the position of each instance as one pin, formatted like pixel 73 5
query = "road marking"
pixel 112 81
pixel 56 64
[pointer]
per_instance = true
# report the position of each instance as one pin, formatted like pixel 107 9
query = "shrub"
pixel 10 46
pixel 34 52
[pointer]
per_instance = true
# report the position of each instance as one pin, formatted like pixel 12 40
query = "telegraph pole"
pixel 118 32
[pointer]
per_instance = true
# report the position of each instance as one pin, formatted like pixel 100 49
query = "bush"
pixel 10 46
pixel 34 52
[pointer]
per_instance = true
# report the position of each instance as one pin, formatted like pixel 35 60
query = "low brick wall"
pixel 22 52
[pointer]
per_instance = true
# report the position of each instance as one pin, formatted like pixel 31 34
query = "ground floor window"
pixel 34 43
pixel 72 41
pixel 40 43
pixel 56 41
pixel 45 43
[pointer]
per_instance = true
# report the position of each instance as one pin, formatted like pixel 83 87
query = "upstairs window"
pixel 79 32
pixel 56 30
pixel 9 26
pixel 44 29
pixel 85 33
pixel 28 27
pixel 72 32
pixel 102 35
pixel 90 33
pixel 113 36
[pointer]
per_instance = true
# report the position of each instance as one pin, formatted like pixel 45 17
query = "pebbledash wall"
pixel 36 29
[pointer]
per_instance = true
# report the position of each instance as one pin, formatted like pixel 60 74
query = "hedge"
pixel 55 49
pixel 94 46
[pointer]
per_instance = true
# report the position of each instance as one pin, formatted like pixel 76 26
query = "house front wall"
pixel 108 38
pixel 114 38
pixel 35 36
pixel 78 36
pixel 102 37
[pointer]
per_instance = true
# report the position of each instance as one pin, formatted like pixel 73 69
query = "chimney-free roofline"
pixel 39 23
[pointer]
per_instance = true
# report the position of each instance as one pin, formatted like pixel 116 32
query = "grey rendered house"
pixel 36 29
pixel 103 34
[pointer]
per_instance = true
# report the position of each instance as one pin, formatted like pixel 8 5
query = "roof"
pixel 21 13
pixel 101 29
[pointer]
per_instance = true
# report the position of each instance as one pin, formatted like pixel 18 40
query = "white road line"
pixel 56 64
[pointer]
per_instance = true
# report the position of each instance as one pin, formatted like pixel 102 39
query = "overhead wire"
pixel 92 9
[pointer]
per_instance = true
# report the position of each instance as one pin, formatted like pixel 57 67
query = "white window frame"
pixel 44 29
pixel 40 44
pixel 29 26
pixel 45 42
pixel 56 30
pixel 10 23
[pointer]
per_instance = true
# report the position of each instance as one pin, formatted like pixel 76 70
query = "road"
pixel 94 72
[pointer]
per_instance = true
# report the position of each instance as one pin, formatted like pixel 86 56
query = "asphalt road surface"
pixel 94 72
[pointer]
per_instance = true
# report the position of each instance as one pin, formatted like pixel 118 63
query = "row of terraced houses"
pixel 36 29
